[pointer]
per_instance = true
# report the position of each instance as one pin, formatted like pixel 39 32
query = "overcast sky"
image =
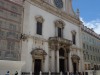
pixel 89 13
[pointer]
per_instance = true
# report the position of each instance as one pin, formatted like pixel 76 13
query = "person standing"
pixel 8 73
pixel 16 73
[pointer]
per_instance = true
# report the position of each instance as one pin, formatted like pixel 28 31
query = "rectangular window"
pixel 10 45
pixel 74 39
pixel 12 27
pixel 94 58
pixel 88 66
pixel 83 45
pixel 91 57
pixel 2 34
pixel 0 53
pixel 90 48
pixel 14 8
pixel 84 57
pixel 1 3
pixel 87 47
pixel 88 57
pixel 39 28
pixel 0 23
pixel 85 66
pixel 59 32
pixel 13 14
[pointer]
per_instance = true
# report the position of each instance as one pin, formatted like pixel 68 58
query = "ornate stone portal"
pixel 38 56
pixel 56 43
pixel 75 63
pixel 38 53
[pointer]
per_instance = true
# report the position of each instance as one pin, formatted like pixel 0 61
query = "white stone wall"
pixel 29 28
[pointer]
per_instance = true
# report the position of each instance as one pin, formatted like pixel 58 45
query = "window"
pixel 90 48
pixel 2 34
pixel 84 57
pixel 1 11
pixel 0 53
pixel 59 32
pixel 88 57
pixel 14 8
pixel 74 36
pixel 39 28
pixel 85 66
pixel 12 35
pixel 74 39
pixel 0 23
pixel 83 45
pixel 93 48
pixel 91 57
pixel 40 21
pixel 59 24
pixel 88 66
pixel 94 58
pixel 10 45
pixel 87 47
pixel 1 3
pixel 14 14
pixel 12 27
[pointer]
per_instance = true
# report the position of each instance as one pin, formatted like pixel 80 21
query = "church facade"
pixel 46 36
pixel 50 37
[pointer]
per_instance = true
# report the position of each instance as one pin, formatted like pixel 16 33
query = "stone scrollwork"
pixel 75 58
pixel 39 19
pixel 38 53
pixel 73 32
pixel 23 37
pixel 59 23
pixel 45 6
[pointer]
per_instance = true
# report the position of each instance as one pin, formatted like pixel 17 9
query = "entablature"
pixel 49 8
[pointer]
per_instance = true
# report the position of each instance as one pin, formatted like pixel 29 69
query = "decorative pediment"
pixel 39 19
pixel 73 32
pixel 38 51
pixel 75 58
pixel 59 23
pixel 23 37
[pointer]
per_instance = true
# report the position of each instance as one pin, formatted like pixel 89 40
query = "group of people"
pixel 78 73
pixel 8 73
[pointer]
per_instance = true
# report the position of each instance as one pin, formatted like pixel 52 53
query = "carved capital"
pixel 75 58
pixel 23 37
pixel 59 23
pixel 39 19
pixel 73 32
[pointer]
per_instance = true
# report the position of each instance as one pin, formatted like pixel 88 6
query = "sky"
pixel 89 13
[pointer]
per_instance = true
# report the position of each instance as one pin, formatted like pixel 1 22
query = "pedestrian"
pixel 16 73
pixel 8 73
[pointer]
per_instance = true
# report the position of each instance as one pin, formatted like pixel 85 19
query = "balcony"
pixel 60 40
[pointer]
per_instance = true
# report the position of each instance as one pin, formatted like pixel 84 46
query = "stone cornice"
pixel 53 10
pixel 90 32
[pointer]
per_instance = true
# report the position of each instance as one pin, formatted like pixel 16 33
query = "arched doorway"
pixel 38 56
pixel 75 63
pixel 37 65
pixel 61 60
